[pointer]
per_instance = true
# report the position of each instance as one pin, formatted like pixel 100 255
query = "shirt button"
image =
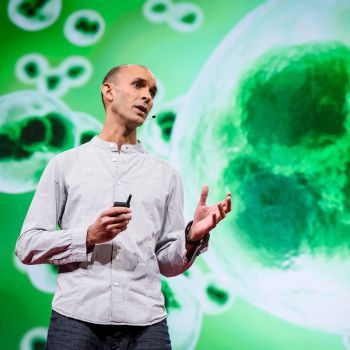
pixel 115 284
pixel 119 182
pixel 114 159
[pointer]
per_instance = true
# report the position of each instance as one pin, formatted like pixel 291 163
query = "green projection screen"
pixel 254 98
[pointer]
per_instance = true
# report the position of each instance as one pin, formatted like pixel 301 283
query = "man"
pixel 108 293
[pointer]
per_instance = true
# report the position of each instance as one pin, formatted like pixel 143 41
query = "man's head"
pixel 128 92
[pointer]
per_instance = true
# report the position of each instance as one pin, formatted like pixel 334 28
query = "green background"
pixel 176 58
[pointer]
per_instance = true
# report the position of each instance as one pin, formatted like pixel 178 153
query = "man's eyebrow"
pixel 144 81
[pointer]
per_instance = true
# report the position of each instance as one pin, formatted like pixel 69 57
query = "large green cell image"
pixel 274 119
pixel 253 99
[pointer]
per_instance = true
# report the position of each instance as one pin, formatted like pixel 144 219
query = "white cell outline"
pixel 153 16
pixel 181 9
pixel 74 36
pixel 65 84
pixel 38 332
pixel 37 58
pixel 23 22
pixel 63 87
pixel 76 61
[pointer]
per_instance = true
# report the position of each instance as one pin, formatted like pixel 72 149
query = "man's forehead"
pixel 135 71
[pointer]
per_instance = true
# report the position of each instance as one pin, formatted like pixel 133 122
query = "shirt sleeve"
pixel 40 241
pixel 171 246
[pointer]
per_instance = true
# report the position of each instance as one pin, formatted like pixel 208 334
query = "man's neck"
pixel 118 134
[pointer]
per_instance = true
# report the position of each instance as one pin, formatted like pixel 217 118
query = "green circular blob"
pixel 189 18
pixel 38 344
pixel 32 8
pixel 290 94
pixel 166 120
pixel 170 300
pixel 53 82
pixel 86 136
pixel 33 131
pixel 270 200
pixel 218 296
pixel 32 70
pixel 75 71
pixel 61 131
pixel 159 8
pixel 85 25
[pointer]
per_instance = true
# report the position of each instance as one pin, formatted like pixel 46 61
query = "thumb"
pixel 204 195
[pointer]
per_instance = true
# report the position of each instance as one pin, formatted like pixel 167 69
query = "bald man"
pixel 111 250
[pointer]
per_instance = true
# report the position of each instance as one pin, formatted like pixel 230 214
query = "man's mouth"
pixel 142 109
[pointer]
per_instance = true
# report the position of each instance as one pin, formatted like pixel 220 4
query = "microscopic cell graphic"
pixel 31 67
pixel 182 16
pixel 84 27
pixel 34 15
pixel 157 11
pixel 34 339
pixel 33 128
pixel 73 72
pixel 185 17
pixel 272 127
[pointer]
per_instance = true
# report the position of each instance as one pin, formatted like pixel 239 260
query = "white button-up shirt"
pixel 119 281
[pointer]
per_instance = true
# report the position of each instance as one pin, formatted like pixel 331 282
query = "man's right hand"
pixel 108 225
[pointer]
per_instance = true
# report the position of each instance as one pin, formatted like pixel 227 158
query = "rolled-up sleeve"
pixel 171 246
pixel 40 241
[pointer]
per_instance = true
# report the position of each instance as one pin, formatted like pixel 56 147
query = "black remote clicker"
pixel 123 204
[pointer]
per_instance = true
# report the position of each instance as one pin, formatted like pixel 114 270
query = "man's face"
pixel 133 92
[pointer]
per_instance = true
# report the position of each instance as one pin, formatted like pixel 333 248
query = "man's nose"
pixel 146 95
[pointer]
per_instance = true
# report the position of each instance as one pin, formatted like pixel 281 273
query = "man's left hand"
pixel 207 217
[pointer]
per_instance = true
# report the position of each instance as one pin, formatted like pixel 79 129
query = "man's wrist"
pixel 194 243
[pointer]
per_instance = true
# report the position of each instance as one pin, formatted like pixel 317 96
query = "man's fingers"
pixel 114 211
pixel 117 226
pixel 107 220
pixel 221 211
pixel 228 203
pixel 204 196
pixel 214 221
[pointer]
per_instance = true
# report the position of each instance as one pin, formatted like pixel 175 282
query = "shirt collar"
pixel 112 146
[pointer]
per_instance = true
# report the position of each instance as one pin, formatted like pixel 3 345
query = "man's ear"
pixel 107 92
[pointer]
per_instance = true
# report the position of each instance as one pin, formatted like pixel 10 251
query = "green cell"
pixel 53 82
pixel 189 18
pixel 217 295
pixel 32 70
pixel 61 131
pixel 166 120
pixel 75 71
pixel 170 300
pixel 32 8
pixel 86 136
pixel 22 139
pixel 270 200
pixel 297 95
pixel 159 8
pixel 37 344
pixel 33 131
pixel 87 26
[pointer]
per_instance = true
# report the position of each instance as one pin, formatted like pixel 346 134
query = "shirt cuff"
pixel 202 248
pixel 79 248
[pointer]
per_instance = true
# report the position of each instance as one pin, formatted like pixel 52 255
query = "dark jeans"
pixel 67 333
